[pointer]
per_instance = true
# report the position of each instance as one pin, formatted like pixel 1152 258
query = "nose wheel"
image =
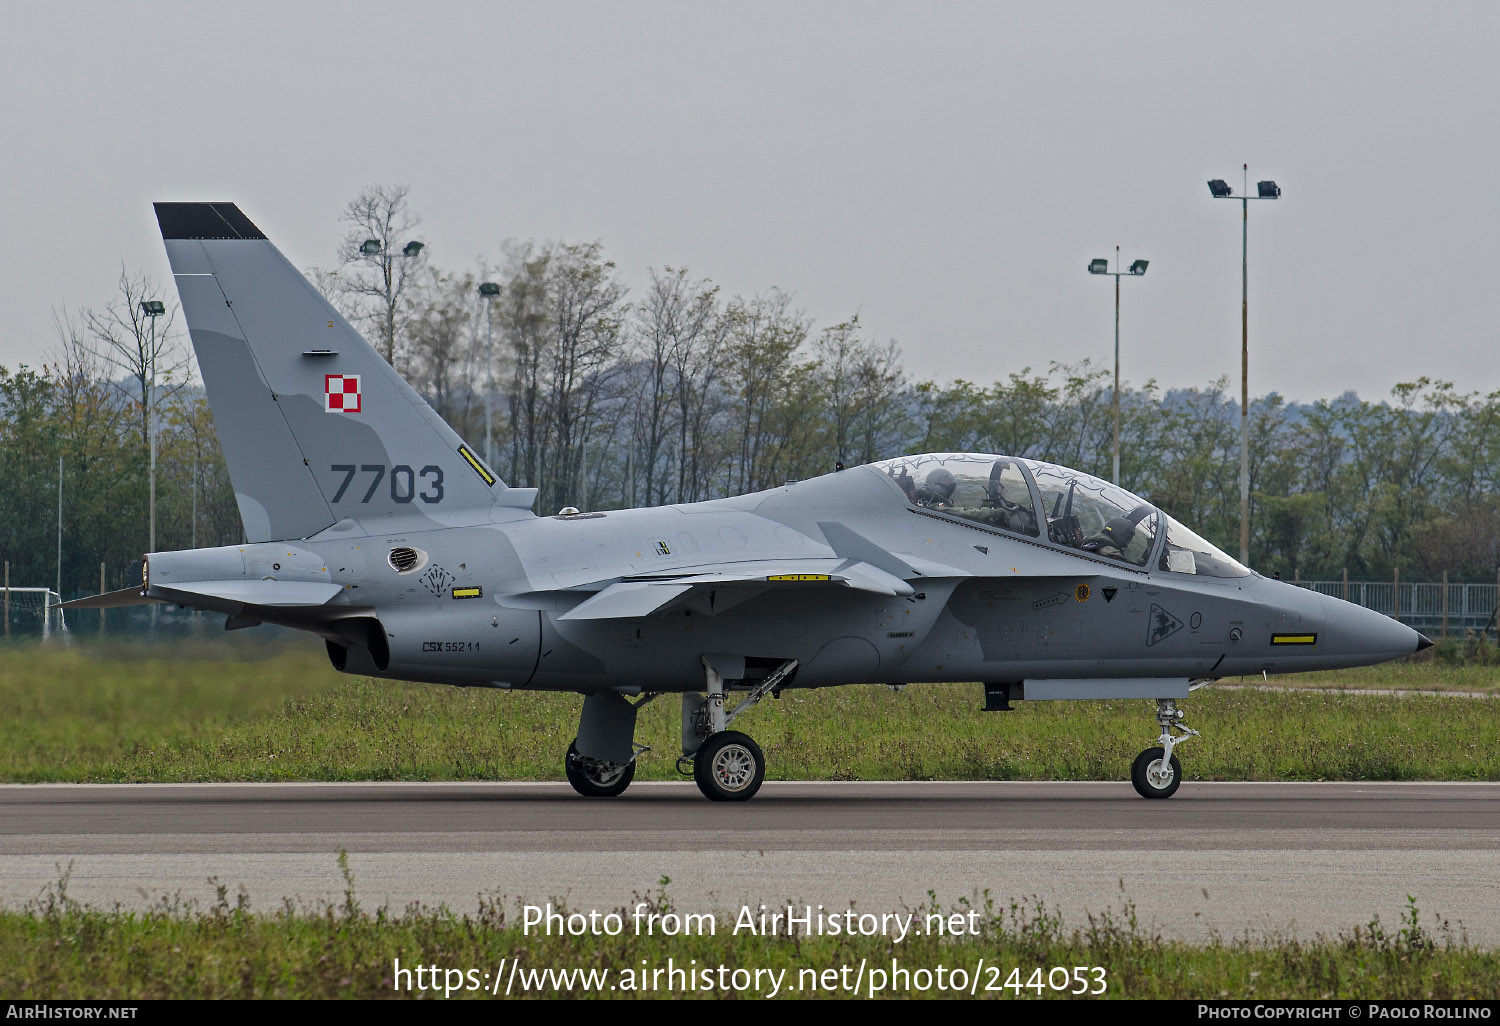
pixel 1156 772
pixel 1154 775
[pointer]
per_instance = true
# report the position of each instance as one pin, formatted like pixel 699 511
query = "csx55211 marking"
pixel 402 481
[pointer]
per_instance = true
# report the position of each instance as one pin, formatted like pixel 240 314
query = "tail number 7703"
pixel 403 482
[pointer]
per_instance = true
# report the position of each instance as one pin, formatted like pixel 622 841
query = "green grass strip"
pixel 58 949
pixel 238 713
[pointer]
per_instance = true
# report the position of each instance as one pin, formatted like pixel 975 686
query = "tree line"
pixel 602 399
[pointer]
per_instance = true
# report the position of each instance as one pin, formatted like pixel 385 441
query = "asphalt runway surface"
pixel 1264 860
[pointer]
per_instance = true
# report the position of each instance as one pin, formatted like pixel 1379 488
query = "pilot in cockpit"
pixel 1117 534
pixel 907 485
pixel 938 489
pixel 1001 510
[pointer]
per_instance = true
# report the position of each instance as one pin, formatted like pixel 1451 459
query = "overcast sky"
pixel 945 170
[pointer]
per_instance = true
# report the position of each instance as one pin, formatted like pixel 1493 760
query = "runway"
pixel 1227 859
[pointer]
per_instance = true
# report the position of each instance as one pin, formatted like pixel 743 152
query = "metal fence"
pixel 1429 606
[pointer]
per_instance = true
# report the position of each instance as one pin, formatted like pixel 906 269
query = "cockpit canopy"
pixel 1067 508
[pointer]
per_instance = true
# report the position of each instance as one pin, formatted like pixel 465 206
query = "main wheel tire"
pixel 1152 778
pixel 729 767
pixel 589 781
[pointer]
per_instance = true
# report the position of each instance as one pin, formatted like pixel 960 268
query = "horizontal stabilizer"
pixel 111 600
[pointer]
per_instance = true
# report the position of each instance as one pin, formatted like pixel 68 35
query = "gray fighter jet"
pixel 371 524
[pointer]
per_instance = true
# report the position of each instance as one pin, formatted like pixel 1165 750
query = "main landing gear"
pixel 1156 772
pixel 601 760
pixel 596 778
pixel 727 766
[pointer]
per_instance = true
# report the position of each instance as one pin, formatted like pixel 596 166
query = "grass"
pixel 1450 666
pixel 216 712
pixel 56 948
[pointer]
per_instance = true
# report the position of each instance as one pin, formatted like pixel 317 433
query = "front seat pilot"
pixel 938 489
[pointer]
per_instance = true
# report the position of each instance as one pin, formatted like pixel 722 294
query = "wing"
pixel 641 596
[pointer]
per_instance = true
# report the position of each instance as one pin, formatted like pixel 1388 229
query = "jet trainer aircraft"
pixel 371 524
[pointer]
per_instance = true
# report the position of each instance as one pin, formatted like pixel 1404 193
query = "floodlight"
pixel 1219 188
pixel 489 288
pixel 1139 267
pixel 153 307
pixel 1268 190
pixel 1100 266
pixel 411 249
pixel 371 247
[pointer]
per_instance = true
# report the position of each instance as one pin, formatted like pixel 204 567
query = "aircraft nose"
pixel 1358 636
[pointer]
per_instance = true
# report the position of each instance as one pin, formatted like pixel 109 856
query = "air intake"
pixel 404 560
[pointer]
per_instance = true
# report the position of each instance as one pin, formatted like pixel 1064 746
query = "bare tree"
pixel 764 337
pixel 379 258
pixel 145 349
pixel 699 397
pixel 88 407
pixel 134 335
pixel 585 307
pixel 561 316
pixel 672 320
pixel 524 319
pixel 441 324
pixel 334 287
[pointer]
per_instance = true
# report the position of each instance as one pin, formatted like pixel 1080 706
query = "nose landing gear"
pixel 1156 772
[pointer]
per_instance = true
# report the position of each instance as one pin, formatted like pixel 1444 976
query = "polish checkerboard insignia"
pixel 341 393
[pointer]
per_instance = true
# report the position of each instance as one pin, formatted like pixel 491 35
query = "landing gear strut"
pixel 1156 772
pixel 727 765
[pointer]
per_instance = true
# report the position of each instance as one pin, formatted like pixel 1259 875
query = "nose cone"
pixel 1356 636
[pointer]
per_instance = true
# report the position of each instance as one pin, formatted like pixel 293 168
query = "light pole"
pixel 1101 266
pixel 152 308
pixel 1267 190
pixel 490 291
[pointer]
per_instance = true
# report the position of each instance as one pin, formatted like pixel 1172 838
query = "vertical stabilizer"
pixel 315 425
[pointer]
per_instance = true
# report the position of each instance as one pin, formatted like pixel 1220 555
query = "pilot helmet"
pixel 942 484
pixel 1120 531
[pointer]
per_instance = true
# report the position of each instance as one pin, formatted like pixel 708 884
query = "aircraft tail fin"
pixel 315 426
